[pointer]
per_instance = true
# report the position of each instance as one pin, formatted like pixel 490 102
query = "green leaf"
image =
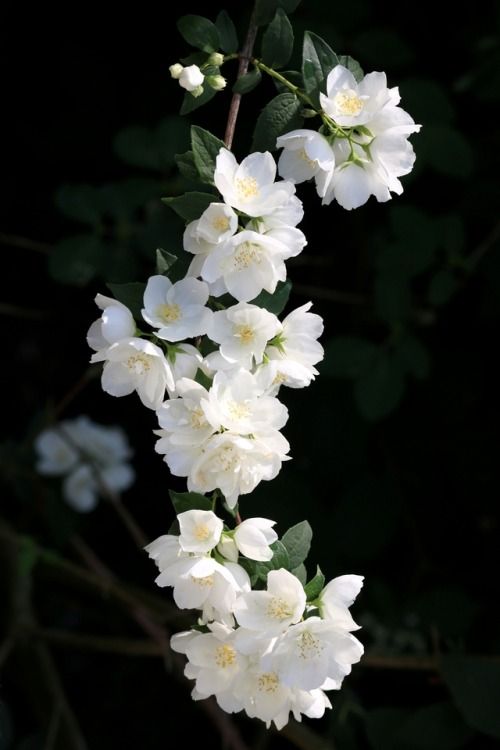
pixel 279 116
pixel 183 501
pixel 297 541
pixel 318 59
pixel 442 287
pixel 189 206
pixel 279 560
pixel 186 166
pixel 190 102
pixel 347 356
pixel 277 43
pixel 199 32
pixel 291 75
pixel 353 65
pixel 79 202
pixel 76 260
pixel 203 379
pixel 300 572
pixel 446 150
pixel 248 82
pixel 152 148
pixel 414 244
pixel 413 356
pixel 164 261
pixel 227 33
pixel 131 295
pixel 205 148
pixel 379 388
pixel 392 294
pixel 315 586
pixel 475 686
pixel 266 9
pixel 275 302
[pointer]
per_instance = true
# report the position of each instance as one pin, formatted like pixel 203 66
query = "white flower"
pixel 55 454
pixel 337 597
pixel 349 103
pixel 217 224
pixel 177 310
pixel 200 530
pixel 306 155
pixel 164 550
pixel 80 489
pixel 272 611
pixel 183 420
pixel 289 214
pixel 231 463
pixel 235 402
pixel 291 361
pixel 190 78
pixel 248 263
pixel 311 652
pixel 253 537
pixel 216 661
pixel 243 331
pixel 184 361
pixel 115 323
pixel 104 445
pixel 133 364
pixel 249 187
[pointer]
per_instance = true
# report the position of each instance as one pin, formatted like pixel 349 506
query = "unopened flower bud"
pixel 176 70
pixel 191 79
pixel 216 58
pixel 217 83
pixel 198 91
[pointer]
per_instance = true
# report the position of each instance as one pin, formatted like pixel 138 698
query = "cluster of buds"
pixel 192 77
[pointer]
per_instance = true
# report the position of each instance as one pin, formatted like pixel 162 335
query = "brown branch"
pixel 13 240
pixel 73 392
pixel 245 55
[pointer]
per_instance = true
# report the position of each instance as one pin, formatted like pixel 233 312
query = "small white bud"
pixel 176 70
pixel 198 91
pixel 216 58
pixel 191 79
pixel 217 83
pixel 227 548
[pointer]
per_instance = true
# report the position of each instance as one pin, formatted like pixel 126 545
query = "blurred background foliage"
pixel 395 445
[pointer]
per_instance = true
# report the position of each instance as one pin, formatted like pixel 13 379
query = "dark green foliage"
pixel 277 117
pixel 277 42
pixel 318 59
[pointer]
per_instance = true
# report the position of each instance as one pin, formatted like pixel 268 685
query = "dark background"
pixel 393 466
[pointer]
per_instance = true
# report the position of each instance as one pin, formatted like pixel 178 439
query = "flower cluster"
pixel 267 652
pixel 92 459
pixel 225 433
pixel 192 77
pixel 363 147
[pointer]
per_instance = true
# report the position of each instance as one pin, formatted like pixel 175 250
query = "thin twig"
pixel 245 56
pixel 481 250
pixel 13 240
pixel 105 644
pixel 305 738
pixel 6 649
pixel 15 311
pixel 73 392
pixel 333 295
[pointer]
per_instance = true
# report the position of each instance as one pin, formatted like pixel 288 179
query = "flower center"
pixel 221 223
pixel 279 378
pixel 268 682
pixel 204 582
pixel 197 418
pixel 309 646
pixel 246 254
pixel 247 187
pixel 303 155
pixel 279 609
pixel 202 532
pixel 139 363
pixel 168 313
pixel 245 333
pixel 348 102
pixel 225 656
pixel 237 410
pixel 227 459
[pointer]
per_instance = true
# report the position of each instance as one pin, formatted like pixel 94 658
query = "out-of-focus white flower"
pixel 291 360
pixel 249 187
pixel 55 454
pixel 271 612
pixel 253 537
pixel 190 78
pixel 200 530
pixel 243 331
pixel 80 489
pixel 311 652
pixel 133 364
pixel 177 310
pixel 306 155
